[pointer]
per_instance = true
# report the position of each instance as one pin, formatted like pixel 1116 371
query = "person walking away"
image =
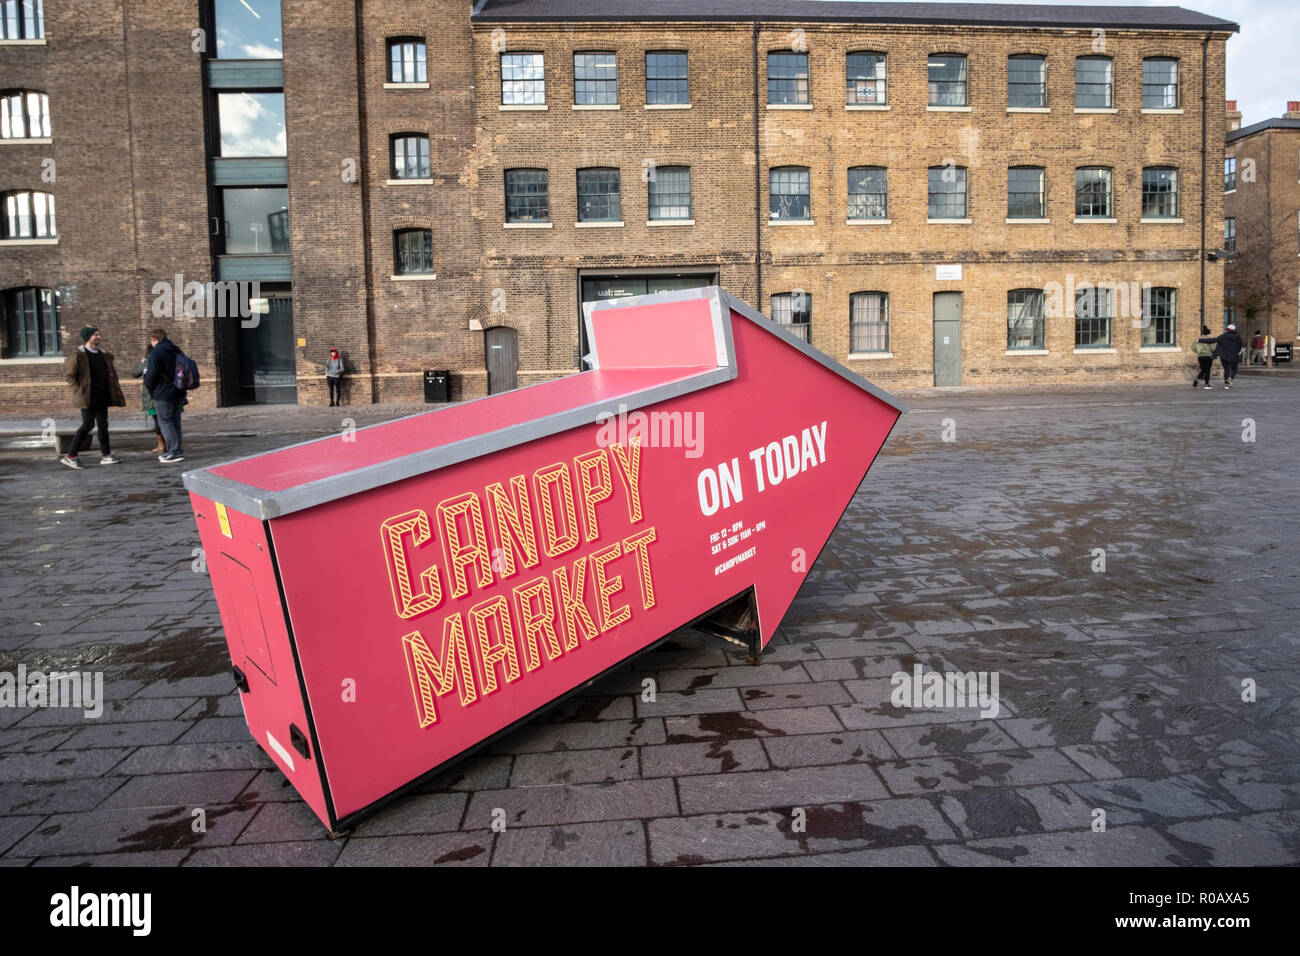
pixel 1205 355
pixel 1227 349
pixel 1257 346
pixel 93 378
pixel 168 400
pixel 146 402
pixel 334 376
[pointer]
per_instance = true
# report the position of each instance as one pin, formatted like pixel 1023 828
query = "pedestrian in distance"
pixel 146 402
pixel 334 377
pixel 1205 356
pixel 1227 349
pixel 93 378
pixel 168 400
pixel 1257 346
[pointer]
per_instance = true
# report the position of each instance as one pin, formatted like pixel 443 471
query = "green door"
pixel 947 338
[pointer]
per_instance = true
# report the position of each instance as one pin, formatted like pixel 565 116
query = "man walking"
pixel 94 383
pixel 168 400
pixel 1227 349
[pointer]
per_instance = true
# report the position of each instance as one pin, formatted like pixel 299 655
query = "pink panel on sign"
pixel 682 335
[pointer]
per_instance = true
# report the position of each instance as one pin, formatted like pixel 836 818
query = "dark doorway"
pixel 257 352
pixel 502 352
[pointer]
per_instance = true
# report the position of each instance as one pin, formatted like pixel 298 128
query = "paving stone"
pixel 542 738
pixel 140 858
pixel 294 853
pixel 767 723
pixel 1153 801
pixel 746 676
pixel 180 789
pixel 215 685
pixel 227 705
pixel 729 836
pixel 14 828
pixel 284 822
pixel 473 773
pixel 998 769
pixel 1261 839
pixel 847 746
pixel 63 796
pixel 136 733
pixel 773 696
pixel 581 803
pixel 439 849
pixel 110 831
pixel 23 739
pixel 576 766
pixel 894 856
pixel 982 812
pixel 1118 846
pixel 583 844
pixel 717 756
pixel 696 702
pixel 60 765
pixel 779 788
pixel 216 730
pixel 948 739
pixel 416 813
pixel 1260 788
pixel 183 758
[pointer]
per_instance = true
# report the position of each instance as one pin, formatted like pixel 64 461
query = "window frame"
pixel 418 62
pixel 34 221
pixel 931 193
pixel 1041 83
pixel 684 79
pixel 1229 173
pixel 772 193
pixel 24 28
pixel 860 327
pixel 24 114
pixel 593 175
pixel 1177 82
pixel 1229 233
pixel 424 171
pixel 545 193
pixel 802 96
pixel 517 84
pixel 599 85
pixel 883 194
pixel 802 329
pixel 1037 320
pixel 1107 318
pixel 1042 192
pixel 426 254
pixel 1151 323
pixel 1108 85
pixel 1151 194
pixel 852 88
pixel 43 326
pixel 932 83
pixel 652 204
pixel 1110 193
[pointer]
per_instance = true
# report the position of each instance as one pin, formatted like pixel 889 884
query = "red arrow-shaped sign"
pixel 395 596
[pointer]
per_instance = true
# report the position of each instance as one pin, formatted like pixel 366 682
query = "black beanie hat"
pixel 87 331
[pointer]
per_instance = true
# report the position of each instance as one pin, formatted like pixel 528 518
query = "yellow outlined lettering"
pixel 461 554
pixel 606 588
pixel 546 478
pixel 574 607
pixel 537 621
pixel 593 492
pixel 408 602
pixel 640 543
pixel 513 522
pixel 503 650
pixel 629 469
pixel 430 678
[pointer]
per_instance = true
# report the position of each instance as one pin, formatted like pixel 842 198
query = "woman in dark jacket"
pixel 1227 349
pixel 146 402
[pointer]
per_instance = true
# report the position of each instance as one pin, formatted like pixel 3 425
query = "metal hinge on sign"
pixel 241 679
pixel 299 741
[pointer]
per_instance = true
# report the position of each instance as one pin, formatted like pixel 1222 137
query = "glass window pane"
pixel 665 79
pixel 598 195
pixel 670 193
pixel 411 157
pixel 595 79
pixel 413 252
pixel 1025 199
pixel 947 192
pixel 523 80
pixel 947 80
pixel 869 322
pixel 794 311
pixel 865 79
pixel 789 194
pixel 527 195
pixel 248 29
pixel 255 220
pixel 1160 193
pixel 1158 316
pixel 251 124
pixel 1026 81
pixel 1092 192
pixel 1092 82
pixel 1025 319
pixel 868 193
pixel 787 77
pixel 1159 83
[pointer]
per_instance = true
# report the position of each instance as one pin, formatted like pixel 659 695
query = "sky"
pixel 1262 71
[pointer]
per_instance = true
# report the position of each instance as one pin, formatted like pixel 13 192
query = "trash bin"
pixel 436 385
pixel 1282 353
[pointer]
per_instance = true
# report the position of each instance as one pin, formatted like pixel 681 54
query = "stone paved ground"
pixel 1121 690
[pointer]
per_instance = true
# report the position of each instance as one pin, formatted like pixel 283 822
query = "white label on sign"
pixel 945 340
pixel 946 273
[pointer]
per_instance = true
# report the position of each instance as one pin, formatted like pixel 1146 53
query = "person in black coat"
pixel 159 378
pixel 1227 349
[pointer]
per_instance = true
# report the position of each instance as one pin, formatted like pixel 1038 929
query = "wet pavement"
pixel 1148 697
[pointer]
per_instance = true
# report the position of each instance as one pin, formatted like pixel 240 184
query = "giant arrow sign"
pixel 396 595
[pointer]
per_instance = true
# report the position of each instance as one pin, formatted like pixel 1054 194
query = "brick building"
pixel 1261 203
pixel 932 193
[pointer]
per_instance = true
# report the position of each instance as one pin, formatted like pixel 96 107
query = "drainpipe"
pixel 364 186
pixel 758 190
pixel 1205 47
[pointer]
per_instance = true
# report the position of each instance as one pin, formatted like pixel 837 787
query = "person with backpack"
pixel 168 400
pixel 1205 355
pixel 1227 349
pixel 146 403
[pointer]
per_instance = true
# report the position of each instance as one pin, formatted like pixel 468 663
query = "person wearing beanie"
pixel 93 379
pixel 1227 349
pixel 1205 356
pixel 334 376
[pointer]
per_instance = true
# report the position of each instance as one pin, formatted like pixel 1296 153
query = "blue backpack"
pixel 187 372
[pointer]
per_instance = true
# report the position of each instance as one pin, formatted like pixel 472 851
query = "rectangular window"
pixel 1026 197
pixel 793 310
pixel 1092 193
pixel 789 194
pixel 1229 316
pixel 28 215
pixel 1159 83
pixel 868 193
pixel 527 195
pixel 947 80
pixel 413 252
pixel 1092 317
pixel 865 79
pixel 787 77
pixel 1158 316
pixel 523 79
pixel 1230 174
pixel 1027 81
pixel 666 81
pixel 869 322
pixel 1159 193
pixel 31 323
pixel 24 115
pixel 245 33
pixel 1230 234
pixel 947 192
pixel 1025 319
pixel 410 156
pixel 598 196
pixel 670 193
pixel 406 61
pixel 251 124
pixel 595 79
pixel 255 221
pixel 1093 87
pixel 22 20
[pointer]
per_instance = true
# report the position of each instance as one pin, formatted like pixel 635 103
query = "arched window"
pixel 868 192
pixel 24 114
pixel 1026 197
pixel 793 310
pixel 1025 319
pixel 599 195
pixel 1026 81
pixel 412 252
pixel 1092 193
pixel 406 60
pixel 1093 83
pixel 1160 83
pixel 864 79
pixel 1159 316
pixel 31 322
pixel 789 193
pixel 1159 192
pixel 28 215
pixel 787 77
pixel 947 76
pixel 527 195
pixel 410 155
pixel 670 193
pixel 947 192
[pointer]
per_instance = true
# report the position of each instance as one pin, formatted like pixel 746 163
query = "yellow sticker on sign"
pixel 224 519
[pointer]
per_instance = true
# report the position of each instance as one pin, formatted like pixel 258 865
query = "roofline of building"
pixel 1263 126
pixel 479 15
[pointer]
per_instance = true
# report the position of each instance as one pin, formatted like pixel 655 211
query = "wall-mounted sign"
pixel 947 273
